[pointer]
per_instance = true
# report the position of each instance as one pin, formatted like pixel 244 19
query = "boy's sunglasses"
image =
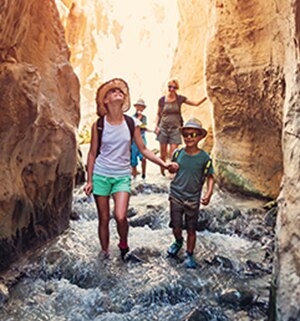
pixel 192 135
pixel 172 87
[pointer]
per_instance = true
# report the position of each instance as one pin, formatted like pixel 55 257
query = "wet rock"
pixel 270 217
pixel 219 260
pixel 131 212
pixel 146 219
pixel 4 294
pixel 204 220
pixel 197 315
pixel 256 233
pixel 236 298
pixel 74 216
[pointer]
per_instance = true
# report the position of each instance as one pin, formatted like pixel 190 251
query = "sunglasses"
pixel 113 90
pixel 172 87
pixel 192 135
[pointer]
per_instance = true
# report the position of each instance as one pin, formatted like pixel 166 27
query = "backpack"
pixel 161 104
pixel 100 127
pixel 206 167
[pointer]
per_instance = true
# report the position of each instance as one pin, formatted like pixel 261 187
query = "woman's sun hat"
pixel 105 87
pixel 140 102
pixel 194 123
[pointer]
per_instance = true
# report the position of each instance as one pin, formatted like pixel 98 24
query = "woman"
pixel 109 173
pixel 169 119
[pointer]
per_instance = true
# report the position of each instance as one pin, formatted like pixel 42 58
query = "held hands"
pixel 173 167
pixel 88 188
pixel 156 130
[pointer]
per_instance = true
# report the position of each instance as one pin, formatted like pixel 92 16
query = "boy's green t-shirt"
pixel 187 184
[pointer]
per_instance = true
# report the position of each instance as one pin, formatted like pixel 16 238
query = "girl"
pixel 109 173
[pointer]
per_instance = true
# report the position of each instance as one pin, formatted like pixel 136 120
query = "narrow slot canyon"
pixel 244 57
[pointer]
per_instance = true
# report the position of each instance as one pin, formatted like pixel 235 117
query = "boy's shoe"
pixel 143 176
pixel 189 261
pixel 123 252
pixel 174 248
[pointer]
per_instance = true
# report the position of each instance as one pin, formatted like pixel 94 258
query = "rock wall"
pixel 287 268
pixel 39 103
pixel 135 41
pixel 246 84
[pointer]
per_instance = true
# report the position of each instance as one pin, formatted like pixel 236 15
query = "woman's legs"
pixel 163 155
pixel 172 148
pixel 102 203
pixel 121 200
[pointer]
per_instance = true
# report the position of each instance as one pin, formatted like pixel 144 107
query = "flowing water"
pixel 68 279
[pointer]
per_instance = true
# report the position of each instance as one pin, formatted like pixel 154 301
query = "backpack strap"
pixel 100 127
pixel 130 123
pixel 205 170
pixel 176 154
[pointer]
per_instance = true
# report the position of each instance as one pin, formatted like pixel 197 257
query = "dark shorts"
pixel 169 136
pixel 181 217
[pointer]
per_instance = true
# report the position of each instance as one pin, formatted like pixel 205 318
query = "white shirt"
pixel 114 157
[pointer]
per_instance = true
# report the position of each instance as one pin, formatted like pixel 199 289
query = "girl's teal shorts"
pixel 106 186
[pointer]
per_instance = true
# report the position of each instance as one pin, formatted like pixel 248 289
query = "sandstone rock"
pixel 39 101
pixel 246 84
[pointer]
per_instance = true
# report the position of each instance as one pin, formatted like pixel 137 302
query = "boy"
pixel 193 164
pixel 135 153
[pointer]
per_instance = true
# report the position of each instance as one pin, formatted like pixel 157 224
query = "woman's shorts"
pixel 106 186
pixel 169 136
pixel 181 217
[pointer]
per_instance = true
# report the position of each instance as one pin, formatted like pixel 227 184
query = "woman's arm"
pixel 157 120
pixel 91 159
pixel 193 103
pixel 147 153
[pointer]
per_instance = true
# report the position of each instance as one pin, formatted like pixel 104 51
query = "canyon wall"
pixel 39 102
pixel 248 52
pixel 246 84
pixel 134 41
pixel 287 267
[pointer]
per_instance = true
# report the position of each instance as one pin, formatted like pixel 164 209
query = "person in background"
pixel 135 153
pixel 169 119
pixel 193 166
pixel 108 163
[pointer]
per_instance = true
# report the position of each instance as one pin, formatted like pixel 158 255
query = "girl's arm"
pixel 91 159
pixel 193 103
pixel 147 153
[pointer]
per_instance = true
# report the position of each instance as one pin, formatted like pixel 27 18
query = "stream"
pixel 67 279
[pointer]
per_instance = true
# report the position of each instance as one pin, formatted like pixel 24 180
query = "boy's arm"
pixel 210 187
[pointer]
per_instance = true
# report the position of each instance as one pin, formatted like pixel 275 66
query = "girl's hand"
pixel 156 130
pixel 88 188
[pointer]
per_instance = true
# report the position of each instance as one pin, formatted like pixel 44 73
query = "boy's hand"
pixel 205 199
pixel 173 167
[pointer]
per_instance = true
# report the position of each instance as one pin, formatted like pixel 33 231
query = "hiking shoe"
pixel 123 252
pixel 189 261
pixel 174 248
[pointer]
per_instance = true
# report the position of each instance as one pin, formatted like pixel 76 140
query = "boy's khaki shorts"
pixel 106 186
pixel 181 217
